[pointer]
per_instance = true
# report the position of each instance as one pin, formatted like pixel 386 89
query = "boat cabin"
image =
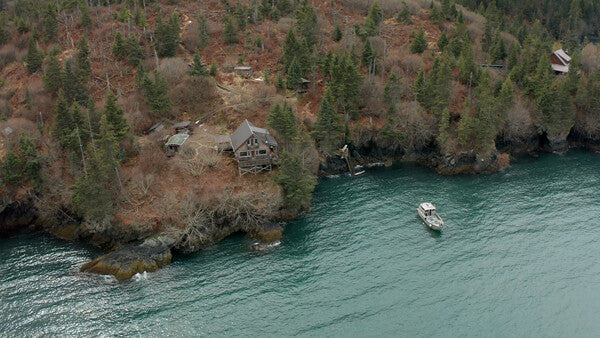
pixel 427 208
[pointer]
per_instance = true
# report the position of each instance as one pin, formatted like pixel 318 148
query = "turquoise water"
pixel 518 257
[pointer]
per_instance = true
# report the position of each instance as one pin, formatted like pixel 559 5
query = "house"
pixel 304 86
pixel 245 72
pixel 254 148
pixel 175 142
pixel 183 127
pixel 560 61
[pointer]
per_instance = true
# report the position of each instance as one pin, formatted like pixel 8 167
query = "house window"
pixel 243 154
pixel 249 141
pixel 262 152
pixel 255 141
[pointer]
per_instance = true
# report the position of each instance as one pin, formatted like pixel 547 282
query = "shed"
pixel 245 72
pixel 183 127
pixel 7 131
pixel 175 142
pixel 223 142
pixel 156 127
pixel 303 86
pixel 560 61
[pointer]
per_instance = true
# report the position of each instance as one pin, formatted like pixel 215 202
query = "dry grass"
pixel 173 69
pixel 371 93
pixel 195 95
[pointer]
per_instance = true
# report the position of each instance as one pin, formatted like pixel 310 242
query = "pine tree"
pixel 118 47
pixel 344 84
pixel 337 33
pixel 240 16
pixel 203 37
pixel 488 39
pixel 279 84
pixel 73 88
pixel 307 23
pixel 53 75
pixel 213 68
pixel 442 42
pixel 282 119
pixel 393 91
pixel 328 130
pixel 63 123
pixel 229 31
pixel 419 88
pixel 498 49
pixel 294 76
pixel 469 70
pixel 290 48
pixel 197 68
pixel 404 14
pixel 435 15
pixel 513 56
pixel 156 94
pixel 373 19
pixel 167 36
pixel 114 117
pixel 135 51
pixel 86 18
pixel 31 160
pixel 50 22
pixel 368 54
pixel 444 125
pixel 419 43
pixel 296 182
pixel 13 167
pixel 84 66
pixel 34 58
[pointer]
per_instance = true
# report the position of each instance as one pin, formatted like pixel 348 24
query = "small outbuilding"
pixel 304 86
pixel 255 148
pixel 7 131
pixel 156 127
pixel 175 142
pixel 245 72
pixel 560 61
pixel 185 127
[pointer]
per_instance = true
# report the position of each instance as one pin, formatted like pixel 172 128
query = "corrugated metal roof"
pixel 560 68
pixel 563 55
pixel 177 140
pixel 182 124
pixel 246 130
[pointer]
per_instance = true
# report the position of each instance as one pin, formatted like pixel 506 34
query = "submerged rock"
pixel 269 233
pixel 123 263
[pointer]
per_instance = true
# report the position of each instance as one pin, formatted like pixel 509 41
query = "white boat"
pixel 430 216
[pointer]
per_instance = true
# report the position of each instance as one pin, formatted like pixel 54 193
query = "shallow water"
pixel 518 257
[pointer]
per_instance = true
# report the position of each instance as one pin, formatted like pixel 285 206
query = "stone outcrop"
pixel 151 254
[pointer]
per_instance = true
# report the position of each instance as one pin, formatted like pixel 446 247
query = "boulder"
pixel 123 263
pixel 269 233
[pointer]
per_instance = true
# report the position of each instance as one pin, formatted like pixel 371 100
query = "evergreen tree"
pixel 279 84
pixel 344 84
pixel 198 68
pixel 63 123
pixel 84 66
pixel 53 75
pixel 498 49
pixel 294 76
pixel 556 108
pixel 435 15
pixel 419 88
pixel 50 22
pixel 337 33
pixel 240 16
pixel 135 51
pixel 368 54
pixel 118 48
pixel 34 58
pixel 167 36
pixel 296 182
pixel 469 70
pixel 419 43
pixel 442 42
pixel 513 56
pixel 487 40
pixel 444 126
pixel 213 68
pixel 328 130
pixel 393 91
pixel 86 18
pixel 114 117
pixel 72 87
pixel 307 23
pixel 31 160
pixel 290 48
pixel 156 94
pixel 373 19
pixel 282 119
pixel 203 37
pixel 13 167
pixel 139 18
pixel 404 14
pixel 229 31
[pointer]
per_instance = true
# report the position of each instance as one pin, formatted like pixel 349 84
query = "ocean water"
pixel 519 257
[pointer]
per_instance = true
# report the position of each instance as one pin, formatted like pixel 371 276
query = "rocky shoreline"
pixel 130 255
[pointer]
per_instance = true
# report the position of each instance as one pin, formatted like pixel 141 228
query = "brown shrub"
pixel 418 126
pixel 5 109
pixel 195 95
pixel 519 125
pixel 8 54
pixel 389 7
pixel 18 125
pixel 190 38
pixel 285 24
pixel 472 18
pixel 371 93
pixel 153 159
pixel 173 69
pixel 135 112
pixel 590 58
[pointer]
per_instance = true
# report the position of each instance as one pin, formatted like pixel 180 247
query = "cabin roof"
pixel 7 131
pixel 242 68
pixel 247 130
pixel 563 55
pixel 222 139
pixel 177 140
pixel 183 124
pixel 427 206
pixel 560 68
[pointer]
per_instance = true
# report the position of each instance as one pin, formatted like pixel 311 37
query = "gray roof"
pixel 177 140
pixel 7 131
pixel 182 124
pixel 243 68
pixel 563 55
pixel 246 130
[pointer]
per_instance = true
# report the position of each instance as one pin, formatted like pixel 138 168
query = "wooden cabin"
pixel 560 61
pixel 254 148
pixel 175 142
